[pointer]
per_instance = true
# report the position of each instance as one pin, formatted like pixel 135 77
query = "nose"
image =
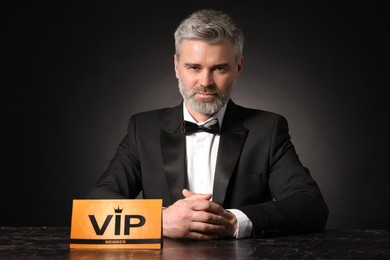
pixel 205 78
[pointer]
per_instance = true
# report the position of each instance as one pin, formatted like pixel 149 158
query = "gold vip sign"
pixel 116 224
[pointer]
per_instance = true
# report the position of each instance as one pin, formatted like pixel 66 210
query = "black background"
pixel 74 73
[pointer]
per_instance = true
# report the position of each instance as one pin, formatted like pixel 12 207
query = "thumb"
pixel 195 196
pixel 186 193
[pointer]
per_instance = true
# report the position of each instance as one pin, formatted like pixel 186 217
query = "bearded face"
pixel 205 100
pixel 206 74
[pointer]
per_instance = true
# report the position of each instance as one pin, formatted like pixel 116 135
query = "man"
pixel 236 176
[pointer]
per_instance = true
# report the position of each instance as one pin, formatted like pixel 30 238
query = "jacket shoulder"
pixel 247 113
pixel 159 113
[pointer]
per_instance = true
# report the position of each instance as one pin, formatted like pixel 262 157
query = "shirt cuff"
pixel 244 225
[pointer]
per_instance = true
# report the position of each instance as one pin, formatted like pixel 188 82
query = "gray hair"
pixel 211 26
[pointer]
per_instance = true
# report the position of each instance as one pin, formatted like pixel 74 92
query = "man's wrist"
pixel 244 225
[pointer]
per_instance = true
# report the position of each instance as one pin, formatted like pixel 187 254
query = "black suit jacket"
pixel 258 170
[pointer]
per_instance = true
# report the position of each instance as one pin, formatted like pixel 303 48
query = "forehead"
pixel 199 51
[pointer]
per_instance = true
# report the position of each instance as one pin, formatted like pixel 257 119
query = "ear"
pixel 239 66
pixel 176 64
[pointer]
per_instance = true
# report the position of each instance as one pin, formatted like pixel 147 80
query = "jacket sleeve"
pixel 122 179
pixel 298 205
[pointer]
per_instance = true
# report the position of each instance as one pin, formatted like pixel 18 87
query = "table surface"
pixel 53 243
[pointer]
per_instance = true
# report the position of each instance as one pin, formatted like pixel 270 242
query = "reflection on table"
pixel 53 243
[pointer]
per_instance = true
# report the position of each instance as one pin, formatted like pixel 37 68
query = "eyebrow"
pixel 213 67
pixel 187 64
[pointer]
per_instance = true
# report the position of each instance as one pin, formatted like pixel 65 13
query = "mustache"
pixel 205 90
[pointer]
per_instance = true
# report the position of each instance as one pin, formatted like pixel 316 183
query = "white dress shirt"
pixel 202 150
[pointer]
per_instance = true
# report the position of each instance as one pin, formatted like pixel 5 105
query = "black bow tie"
pixel 211 127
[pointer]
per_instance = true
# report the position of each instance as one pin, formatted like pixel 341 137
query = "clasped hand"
pixel 196 217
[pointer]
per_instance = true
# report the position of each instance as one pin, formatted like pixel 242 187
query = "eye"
pixel 221 68
pixel 193 67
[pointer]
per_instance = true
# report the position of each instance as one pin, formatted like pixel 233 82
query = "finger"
pixel 209 218
pixel 205 197
pixel 195 196
pixel 206 228
pixel 186 193
pixel 209 206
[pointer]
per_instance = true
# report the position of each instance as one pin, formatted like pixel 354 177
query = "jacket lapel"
pixel 232 139
pixel 173 150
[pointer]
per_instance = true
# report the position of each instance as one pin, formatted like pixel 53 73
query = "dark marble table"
pixel 53 243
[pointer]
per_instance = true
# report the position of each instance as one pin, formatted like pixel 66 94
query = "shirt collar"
pixel 219 115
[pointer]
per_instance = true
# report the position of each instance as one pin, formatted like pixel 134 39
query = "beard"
pixel 202 105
